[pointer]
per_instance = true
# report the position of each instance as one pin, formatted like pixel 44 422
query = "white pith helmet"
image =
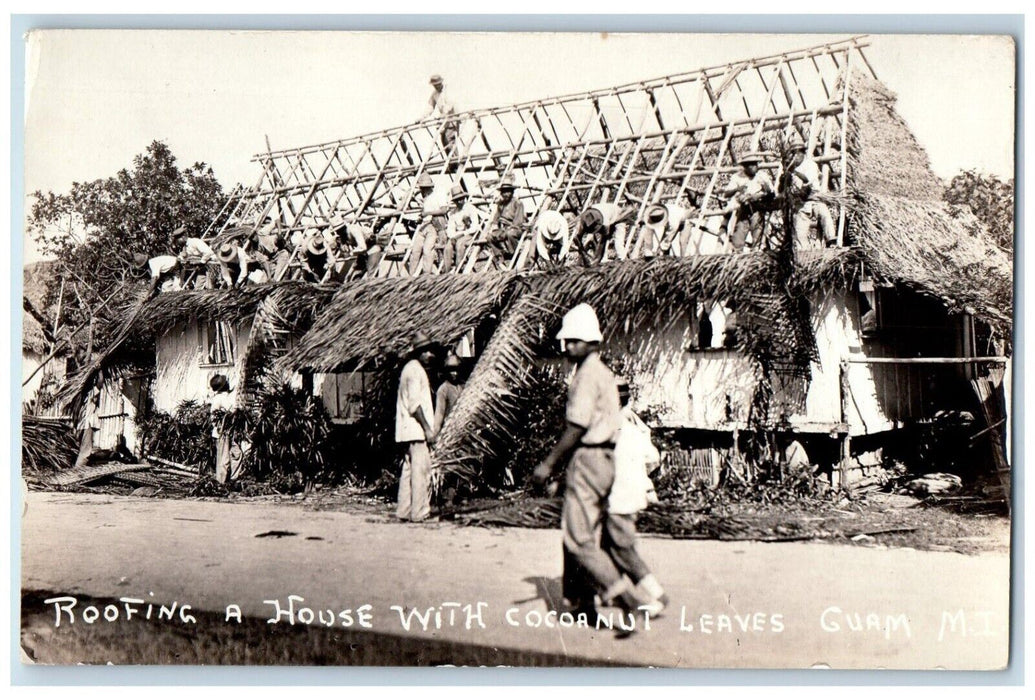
pixel 581 324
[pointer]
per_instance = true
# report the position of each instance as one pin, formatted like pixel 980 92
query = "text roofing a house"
pixel 659 141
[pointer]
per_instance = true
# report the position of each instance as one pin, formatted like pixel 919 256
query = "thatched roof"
pixel 377 317
pixel 152 317
pixel 903 227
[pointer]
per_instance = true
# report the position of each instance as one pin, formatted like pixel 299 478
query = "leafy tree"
pixel 989 198
pixel 94 229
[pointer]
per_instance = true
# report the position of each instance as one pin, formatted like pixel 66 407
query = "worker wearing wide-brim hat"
pixel 233 262
pixel 663 222
pixel 552 236
pixel 506 228
pixel 317 257
pixel 414 429
pixel 747 191
pixel 434 203
pixel 592 420
pixel 462 226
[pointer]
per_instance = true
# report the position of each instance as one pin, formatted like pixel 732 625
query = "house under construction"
pixel 907 316
pixel 672 140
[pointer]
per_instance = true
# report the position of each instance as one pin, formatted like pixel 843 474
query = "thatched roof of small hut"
pixel 902 225
pixel 150 318
pixel 377 317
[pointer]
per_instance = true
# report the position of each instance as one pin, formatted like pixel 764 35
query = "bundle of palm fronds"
pixel 525 512
pixel 48 445
pixel 184 436
pixel 288 432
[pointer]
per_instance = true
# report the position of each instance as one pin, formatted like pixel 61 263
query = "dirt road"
pixel 734 604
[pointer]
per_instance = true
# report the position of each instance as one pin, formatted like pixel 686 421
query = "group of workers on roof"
pixel 449 230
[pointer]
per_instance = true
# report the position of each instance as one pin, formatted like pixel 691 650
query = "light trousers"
pixel 415 483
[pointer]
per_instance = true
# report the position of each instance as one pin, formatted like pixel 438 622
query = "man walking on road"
pixel 593 417
pixel 413 429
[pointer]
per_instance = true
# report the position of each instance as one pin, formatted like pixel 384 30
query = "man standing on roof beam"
pixel 801 180
pixel 432 226
pixel 440 104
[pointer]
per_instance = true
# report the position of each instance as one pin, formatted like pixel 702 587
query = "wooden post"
pixel 845 437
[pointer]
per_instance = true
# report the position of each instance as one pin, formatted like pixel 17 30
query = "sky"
pixel 97 98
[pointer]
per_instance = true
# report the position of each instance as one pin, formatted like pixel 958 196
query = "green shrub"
pixel 288 430
pixel 184 436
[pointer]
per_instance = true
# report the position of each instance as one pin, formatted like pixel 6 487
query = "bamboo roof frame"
pixel 550 145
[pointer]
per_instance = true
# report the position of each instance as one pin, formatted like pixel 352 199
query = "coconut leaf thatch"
pixel 378 317
pixel 150 317
pixel 903 227
pixel 48 445
pixel 633 294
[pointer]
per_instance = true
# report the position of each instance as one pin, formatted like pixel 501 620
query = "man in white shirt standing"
pixel 440 104
pixel 804 181
pixel 414 414
pixel 434 207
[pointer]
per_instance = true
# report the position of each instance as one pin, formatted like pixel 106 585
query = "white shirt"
pixel 740 183
pixel 676 214
pixel 162 264
pixel 610 211
pixel 633 452
pixel 437 200
pixel 809 169
pixel 223 401
pixel 440 104
pixel 464 221
pixel 547 219
pixel 414 393
pixel 197 248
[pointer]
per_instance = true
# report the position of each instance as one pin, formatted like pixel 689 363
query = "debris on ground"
pixel 934 484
